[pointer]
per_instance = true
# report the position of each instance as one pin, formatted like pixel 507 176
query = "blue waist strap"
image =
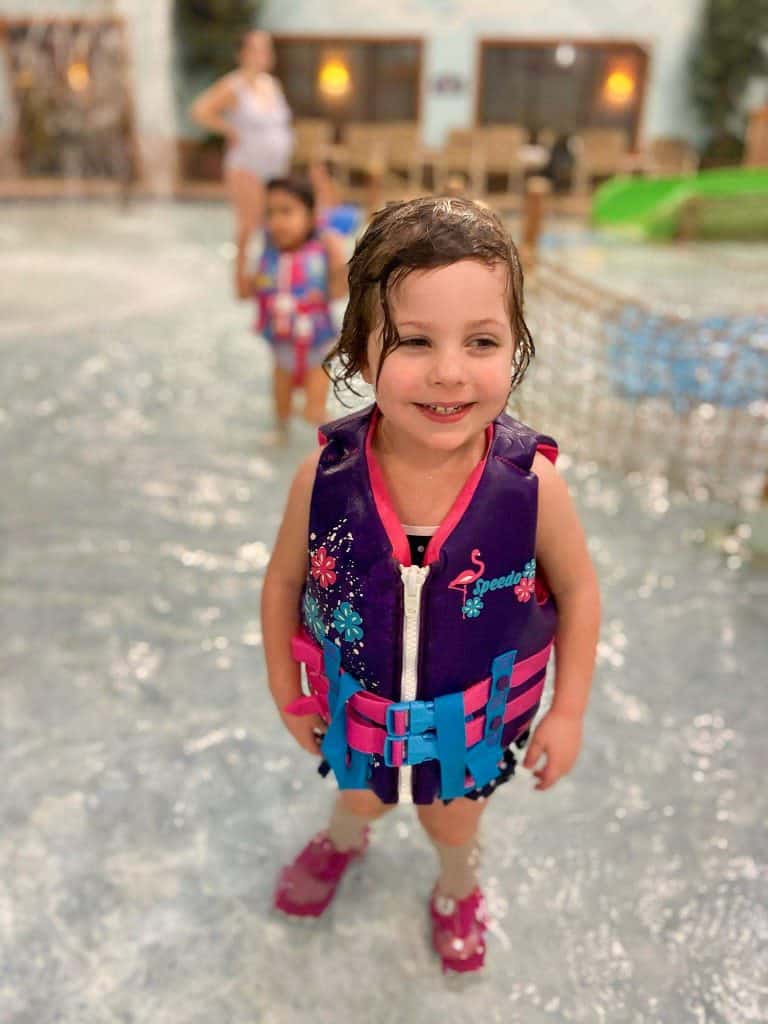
pixel 349 766
pixel 434 730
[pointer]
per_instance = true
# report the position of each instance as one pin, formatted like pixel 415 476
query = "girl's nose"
pixel 447 368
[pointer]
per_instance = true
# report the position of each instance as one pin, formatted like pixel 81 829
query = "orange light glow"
pixel 24 78
pixel 619 88
pixel 78 76
pixel 334 79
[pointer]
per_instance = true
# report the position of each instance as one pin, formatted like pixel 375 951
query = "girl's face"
pixel 450 375
pixel 289 222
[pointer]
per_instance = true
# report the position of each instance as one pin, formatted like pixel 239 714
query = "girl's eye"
pixel 485 343
pixel 414 342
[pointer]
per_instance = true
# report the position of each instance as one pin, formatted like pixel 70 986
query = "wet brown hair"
pixel 421 234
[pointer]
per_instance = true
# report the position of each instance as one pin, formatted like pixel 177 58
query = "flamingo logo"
pixel 466 577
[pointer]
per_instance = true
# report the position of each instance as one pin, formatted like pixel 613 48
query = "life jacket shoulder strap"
pixel 517 443
pixel 513 441
pixel 344 434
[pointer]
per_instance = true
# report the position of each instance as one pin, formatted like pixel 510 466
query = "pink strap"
pixel 549 451
pixel 304 706
pixel 364 708
pixel 476 697
pixel 369 739
pixel 305 650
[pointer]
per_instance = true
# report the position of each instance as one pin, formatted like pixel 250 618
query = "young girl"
pixel 429 557
pixel 299 275
pixel 331 211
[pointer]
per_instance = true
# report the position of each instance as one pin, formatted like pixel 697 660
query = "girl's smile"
pixel 445 413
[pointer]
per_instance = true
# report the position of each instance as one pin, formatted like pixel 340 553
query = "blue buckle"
pixel 417 750
pixel 421 717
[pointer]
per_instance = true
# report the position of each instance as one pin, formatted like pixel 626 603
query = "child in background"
pixel 428 560
pixel 331 211
pixel 300 274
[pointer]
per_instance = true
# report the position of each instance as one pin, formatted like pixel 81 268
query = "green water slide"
pixel 729 203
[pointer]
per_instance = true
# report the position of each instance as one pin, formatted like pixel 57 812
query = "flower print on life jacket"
pixel 523 583
pixel 323 567
pixel 312 617
pixel 333 594
pixel 472 608
pixel 346 622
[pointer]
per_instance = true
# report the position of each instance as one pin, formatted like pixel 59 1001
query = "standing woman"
pixel 248 108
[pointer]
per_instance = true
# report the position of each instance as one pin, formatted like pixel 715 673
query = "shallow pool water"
pixel 150 792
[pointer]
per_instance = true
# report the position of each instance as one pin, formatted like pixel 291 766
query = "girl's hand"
pixel 244 285
pixel 559 738
pixel 307 730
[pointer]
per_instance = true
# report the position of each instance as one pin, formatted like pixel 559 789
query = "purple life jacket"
pixel 476 599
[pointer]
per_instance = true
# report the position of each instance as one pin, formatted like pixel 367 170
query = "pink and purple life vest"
pixel 292 300
pixel 471 645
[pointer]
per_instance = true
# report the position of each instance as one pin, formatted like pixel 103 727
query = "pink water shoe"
pixel 307 885
pixel 458 930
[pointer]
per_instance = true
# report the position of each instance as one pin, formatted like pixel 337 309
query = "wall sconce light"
pixel 618 88
pixel 78 76
pixel 334 79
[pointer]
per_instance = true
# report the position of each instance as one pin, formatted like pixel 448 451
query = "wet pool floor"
pixel 150 792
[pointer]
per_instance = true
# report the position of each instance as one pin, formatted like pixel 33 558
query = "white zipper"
pixel 414 577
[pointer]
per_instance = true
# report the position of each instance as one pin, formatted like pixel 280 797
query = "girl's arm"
pixel 561 551
pixel 337 265
pixel 208 108
pixel 246 284
pixel 280 599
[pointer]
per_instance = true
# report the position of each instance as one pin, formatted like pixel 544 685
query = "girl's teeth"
pixel 445 409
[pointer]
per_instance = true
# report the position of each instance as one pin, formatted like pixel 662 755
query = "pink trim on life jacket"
pixel 542 594
pixel 460 505
pixel 391 521
pixel 549 451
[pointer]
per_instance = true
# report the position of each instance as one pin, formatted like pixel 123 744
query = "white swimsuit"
pixel 265 140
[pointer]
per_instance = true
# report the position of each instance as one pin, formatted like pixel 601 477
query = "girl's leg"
pixel 316 394
pixel 353 811
pixel 308 884
pixel 453 829
pixel 457 907
pixel 282 391
pixel 246 192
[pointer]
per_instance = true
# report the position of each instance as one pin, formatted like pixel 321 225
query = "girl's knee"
pixel 364 803
pixel 451 825
pixel 315 393
pixel 314 415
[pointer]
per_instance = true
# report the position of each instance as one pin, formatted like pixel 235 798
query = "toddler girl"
pixel 300 273
pixel 428 561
